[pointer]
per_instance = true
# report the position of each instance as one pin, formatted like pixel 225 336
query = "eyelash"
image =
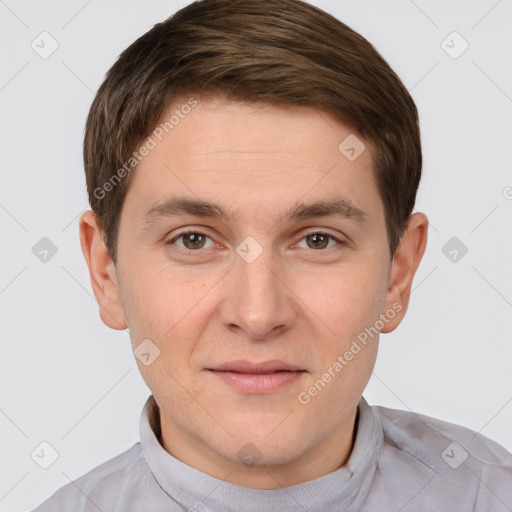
pixel 196 232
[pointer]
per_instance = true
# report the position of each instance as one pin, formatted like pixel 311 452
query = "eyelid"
pixel 320 231
pixel 188 232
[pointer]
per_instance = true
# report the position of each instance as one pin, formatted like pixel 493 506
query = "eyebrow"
pixel 180 206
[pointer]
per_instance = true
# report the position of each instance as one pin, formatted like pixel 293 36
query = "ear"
pixel 102 272
pixel 405 262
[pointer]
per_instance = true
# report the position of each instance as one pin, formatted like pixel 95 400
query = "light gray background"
pixel 67 379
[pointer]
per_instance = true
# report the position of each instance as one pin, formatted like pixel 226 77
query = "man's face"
pixel 255 286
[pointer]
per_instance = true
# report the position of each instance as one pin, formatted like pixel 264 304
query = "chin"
pixel 264 447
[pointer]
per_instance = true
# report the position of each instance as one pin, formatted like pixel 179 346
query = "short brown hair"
pixel 282 52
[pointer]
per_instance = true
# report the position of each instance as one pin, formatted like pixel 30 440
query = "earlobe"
pixel 403 268
pixel 102 272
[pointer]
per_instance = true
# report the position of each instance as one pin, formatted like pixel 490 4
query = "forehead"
pixel 226 152
pixel 218 124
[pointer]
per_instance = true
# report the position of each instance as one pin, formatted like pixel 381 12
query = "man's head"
pixel 252 169
pixel 274 51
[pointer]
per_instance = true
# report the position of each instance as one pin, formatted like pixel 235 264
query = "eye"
pixel 195 240
pixel 317 240
pixel 192 240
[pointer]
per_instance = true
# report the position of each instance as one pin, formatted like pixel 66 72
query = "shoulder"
pixel 120 475
pixel 454 457
pixel 425 433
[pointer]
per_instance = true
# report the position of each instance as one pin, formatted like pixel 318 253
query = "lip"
pixel 243 366
pixel 257 378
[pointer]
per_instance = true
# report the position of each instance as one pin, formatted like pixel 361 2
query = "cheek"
pixel 350 309
pixel 348 305
pixel 349 301
pixel 167 308
pixel 160 301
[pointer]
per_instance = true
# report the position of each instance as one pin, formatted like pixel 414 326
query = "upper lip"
pixel 242 366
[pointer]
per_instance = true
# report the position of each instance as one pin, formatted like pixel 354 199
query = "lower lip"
pixel 258 383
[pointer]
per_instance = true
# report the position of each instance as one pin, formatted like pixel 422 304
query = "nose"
pixel 259 301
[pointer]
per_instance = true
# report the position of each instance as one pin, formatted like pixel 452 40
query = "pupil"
pixel 318 238
pixel 194 238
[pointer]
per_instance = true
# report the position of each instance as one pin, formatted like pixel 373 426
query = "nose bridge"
pixel 259 302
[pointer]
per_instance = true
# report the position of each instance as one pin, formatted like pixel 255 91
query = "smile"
pixel 257 378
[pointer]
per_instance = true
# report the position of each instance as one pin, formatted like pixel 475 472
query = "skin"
pixel 296 302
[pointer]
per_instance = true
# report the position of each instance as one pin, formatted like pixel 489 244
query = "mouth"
pixel 257 378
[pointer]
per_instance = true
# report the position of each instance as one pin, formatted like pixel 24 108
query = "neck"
pixel 329 455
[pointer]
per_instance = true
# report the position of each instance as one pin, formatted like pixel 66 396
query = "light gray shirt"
pixel 401 461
